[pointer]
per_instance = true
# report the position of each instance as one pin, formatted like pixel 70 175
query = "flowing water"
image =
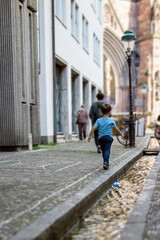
pixel 107 219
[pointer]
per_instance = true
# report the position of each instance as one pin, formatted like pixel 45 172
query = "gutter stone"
pixel 136 223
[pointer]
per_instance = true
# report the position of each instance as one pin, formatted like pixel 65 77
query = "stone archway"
pixel 113 51
pixel 109 83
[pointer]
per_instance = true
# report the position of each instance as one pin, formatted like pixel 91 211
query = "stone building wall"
pixel 19 91
pixel 148 34
pixel 143 17
pixel 144 40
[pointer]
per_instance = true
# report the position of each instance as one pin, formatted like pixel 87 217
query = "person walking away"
pixel 94 114
pixel 157 128
pixel 82 118
pixel 104 126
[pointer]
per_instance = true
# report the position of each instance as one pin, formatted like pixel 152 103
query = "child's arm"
pixel 91 132
pixel 119 132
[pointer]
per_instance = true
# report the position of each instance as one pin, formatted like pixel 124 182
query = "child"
pixel 104 126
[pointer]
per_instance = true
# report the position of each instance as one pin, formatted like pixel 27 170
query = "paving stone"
pixel 33 183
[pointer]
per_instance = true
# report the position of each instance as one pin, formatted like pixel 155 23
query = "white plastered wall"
pixel 46 74
pixel 71 52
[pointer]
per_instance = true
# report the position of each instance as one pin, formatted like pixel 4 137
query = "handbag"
pixel 77 121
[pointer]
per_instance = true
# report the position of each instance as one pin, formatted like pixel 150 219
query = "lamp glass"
pixel 128 45
pixel 144 90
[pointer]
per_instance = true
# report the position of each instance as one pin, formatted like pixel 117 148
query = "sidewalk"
pixel 33 183
pixel 152 228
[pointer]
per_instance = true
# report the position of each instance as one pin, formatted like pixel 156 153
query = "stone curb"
pixel 56 223
pixel 136 222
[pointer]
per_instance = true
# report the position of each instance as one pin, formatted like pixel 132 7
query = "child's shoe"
pixel 105 167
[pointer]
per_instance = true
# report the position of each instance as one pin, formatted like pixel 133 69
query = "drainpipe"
pixel 54 77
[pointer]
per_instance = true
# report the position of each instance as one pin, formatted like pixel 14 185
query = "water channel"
pixel 108 218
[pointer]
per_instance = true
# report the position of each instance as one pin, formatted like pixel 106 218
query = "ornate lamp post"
pixel 128 40
pixel 144 92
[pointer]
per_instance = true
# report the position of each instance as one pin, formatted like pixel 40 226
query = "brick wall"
pixel 143 35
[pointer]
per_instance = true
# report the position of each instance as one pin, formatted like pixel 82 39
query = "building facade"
pixel 19 91
pixel 78 62
pixel 149 49
pixel 143 17
pixel 118 16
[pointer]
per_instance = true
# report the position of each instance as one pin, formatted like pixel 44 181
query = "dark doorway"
pixel 85 93
pixel 59 99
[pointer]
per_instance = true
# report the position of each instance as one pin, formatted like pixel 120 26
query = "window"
pixel 85 38
pixel 63 11
pixel 93 3
pixel 57 8
pixel 21 46
pixel 60 10
pixel 96 49
pixel 99 9
pixel 32 69
pixel 59 99
pixel 75 19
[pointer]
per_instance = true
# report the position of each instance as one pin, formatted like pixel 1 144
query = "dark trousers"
pixel 106 142
pixel 96 138
pixel 82 131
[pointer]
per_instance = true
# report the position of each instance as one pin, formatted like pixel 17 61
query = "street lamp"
pixel 144 92
pixel 128 40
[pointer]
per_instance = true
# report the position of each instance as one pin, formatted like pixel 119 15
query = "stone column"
pixel 149 92
pixel 64 113
pixel 46 75
pixel 68 132
pixel 89 104
pixel 81 88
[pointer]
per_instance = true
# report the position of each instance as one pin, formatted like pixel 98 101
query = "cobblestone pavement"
pixel 34 182
pixel 107 219
pixel 152 230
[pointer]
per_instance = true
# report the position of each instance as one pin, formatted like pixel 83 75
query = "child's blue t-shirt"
pixel 104 126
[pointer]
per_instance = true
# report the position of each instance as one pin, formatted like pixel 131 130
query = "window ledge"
pixel 97 63
pixel 75 38
pixel 61 22
pixel 93 8
pixel 100 21
pixel 86 50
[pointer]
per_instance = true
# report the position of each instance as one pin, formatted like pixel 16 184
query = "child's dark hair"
pixel 100 96
pixel 158 118
pixel 106 108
